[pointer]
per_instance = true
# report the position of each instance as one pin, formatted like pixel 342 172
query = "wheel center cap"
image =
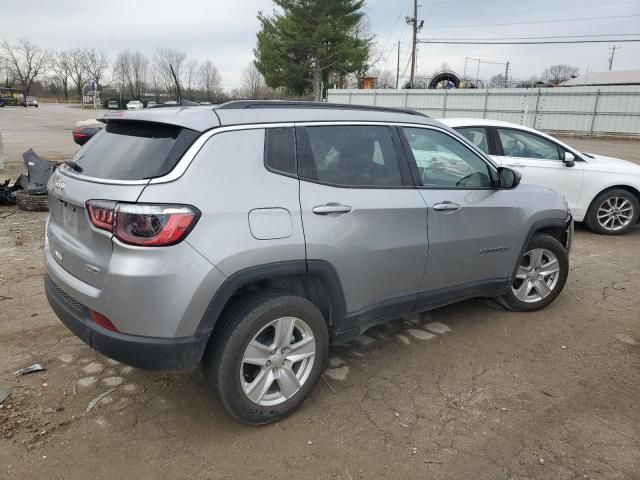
pixel 277 360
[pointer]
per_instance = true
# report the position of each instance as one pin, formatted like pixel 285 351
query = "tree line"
pixel 134 72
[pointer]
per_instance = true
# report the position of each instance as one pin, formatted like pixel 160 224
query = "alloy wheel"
pixel 278 361
pixel 537 275
pixel 615 213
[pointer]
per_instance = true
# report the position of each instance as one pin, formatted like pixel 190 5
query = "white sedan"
pixel 601 191
pixel 135 105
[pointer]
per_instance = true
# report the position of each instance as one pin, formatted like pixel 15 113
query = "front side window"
pixel 354 155
pixel 445 162
pixel 516 143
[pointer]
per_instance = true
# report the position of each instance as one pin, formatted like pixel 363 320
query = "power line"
pixel 456 42
pixel 543 10
pixel 531 23
pixel 543 37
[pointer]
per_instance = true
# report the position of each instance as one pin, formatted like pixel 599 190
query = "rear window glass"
pixel 126 150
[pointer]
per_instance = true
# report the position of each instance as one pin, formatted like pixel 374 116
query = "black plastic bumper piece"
pixel 147 353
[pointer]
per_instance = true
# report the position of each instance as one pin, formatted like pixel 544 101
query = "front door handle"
pixel 331 208
pixel 446 206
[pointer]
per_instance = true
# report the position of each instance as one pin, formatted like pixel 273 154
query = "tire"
pixel 251 320
pixel 628 209
pixel 33 199
pixel 520 297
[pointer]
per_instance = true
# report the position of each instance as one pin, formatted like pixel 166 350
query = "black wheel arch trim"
pixel 320 268
pixel 537 227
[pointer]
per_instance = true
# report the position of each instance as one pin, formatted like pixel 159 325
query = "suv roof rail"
pixel 241 104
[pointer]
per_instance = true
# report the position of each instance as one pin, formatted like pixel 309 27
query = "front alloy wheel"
pixel 615 213
pixel 541 274
pixel 537 275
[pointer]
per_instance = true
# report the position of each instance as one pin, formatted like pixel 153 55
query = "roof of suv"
pixel 201 118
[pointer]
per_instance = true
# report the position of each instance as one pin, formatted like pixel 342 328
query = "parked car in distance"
pixel 602 192
pixel 29 101
pixel 151 104
pixel 113 105
pixel 170 102
pixel 205 103
pixel 245 244
pixel 85 130
pixel 135 105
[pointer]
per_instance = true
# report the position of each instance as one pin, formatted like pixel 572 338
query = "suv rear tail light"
pixel 143 224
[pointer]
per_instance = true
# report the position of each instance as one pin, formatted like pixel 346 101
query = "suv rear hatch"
pixel 115 165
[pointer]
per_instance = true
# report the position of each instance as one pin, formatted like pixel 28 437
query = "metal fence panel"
pixel 581 110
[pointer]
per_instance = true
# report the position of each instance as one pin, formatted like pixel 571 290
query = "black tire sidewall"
pixel 553 245
pixel 221 363
pixel 592 220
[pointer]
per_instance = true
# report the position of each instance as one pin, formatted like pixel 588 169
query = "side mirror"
pixel 569 159
pixel 508 178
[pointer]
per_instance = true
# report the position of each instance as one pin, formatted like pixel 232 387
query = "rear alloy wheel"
pixel 268 357
pixel 541 275
pixel 613 212
pixel 278 361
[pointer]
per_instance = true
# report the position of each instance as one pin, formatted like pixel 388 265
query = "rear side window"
pixel 280 150
pixel 361 156
pixel 126 150
pixel 477 136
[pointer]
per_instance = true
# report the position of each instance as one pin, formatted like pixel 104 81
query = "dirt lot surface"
pixel 463 392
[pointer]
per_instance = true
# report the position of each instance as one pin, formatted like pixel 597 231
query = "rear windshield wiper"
pixel 74 166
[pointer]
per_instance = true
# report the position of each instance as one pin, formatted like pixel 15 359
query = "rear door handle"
pixel 331 208
pixel 446 206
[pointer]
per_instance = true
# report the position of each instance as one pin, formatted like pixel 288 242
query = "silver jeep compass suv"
pixel 248 236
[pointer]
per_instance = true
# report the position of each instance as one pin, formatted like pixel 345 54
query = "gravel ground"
pixel 466 391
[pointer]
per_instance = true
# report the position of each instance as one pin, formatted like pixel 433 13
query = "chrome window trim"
pixel 188 157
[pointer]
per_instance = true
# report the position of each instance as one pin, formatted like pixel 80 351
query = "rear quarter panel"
pixel 226 181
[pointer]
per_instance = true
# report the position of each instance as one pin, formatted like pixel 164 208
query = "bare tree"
pixel 130 68
pixel 164 59
pixel 497 81
pixel 61 68
pixel 122 71
pixel 139 69
pixel 78 63
pixel 97 63
pixel 210 80
pixel 191 74
pixel 252 81
pixel 26 60
pixel 556 74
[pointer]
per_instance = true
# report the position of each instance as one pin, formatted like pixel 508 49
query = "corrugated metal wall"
pixel 581 110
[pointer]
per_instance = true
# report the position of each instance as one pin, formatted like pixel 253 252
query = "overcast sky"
pixel 224 31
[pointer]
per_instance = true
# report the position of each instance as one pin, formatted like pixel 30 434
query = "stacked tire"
pixel 32 199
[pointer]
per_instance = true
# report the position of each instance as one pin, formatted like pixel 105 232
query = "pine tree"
pixel 305 42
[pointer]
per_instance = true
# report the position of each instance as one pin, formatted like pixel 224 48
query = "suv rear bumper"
pixel 148 353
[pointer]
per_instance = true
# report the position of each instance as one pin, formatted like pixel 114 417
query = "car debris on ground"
pixel 36 367
pixel 4 394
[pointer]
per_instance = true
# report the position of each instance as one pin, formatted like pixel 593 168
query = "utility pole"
pixel 413 21
pixel 613 52
pixel 398 68
pixel 506 75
